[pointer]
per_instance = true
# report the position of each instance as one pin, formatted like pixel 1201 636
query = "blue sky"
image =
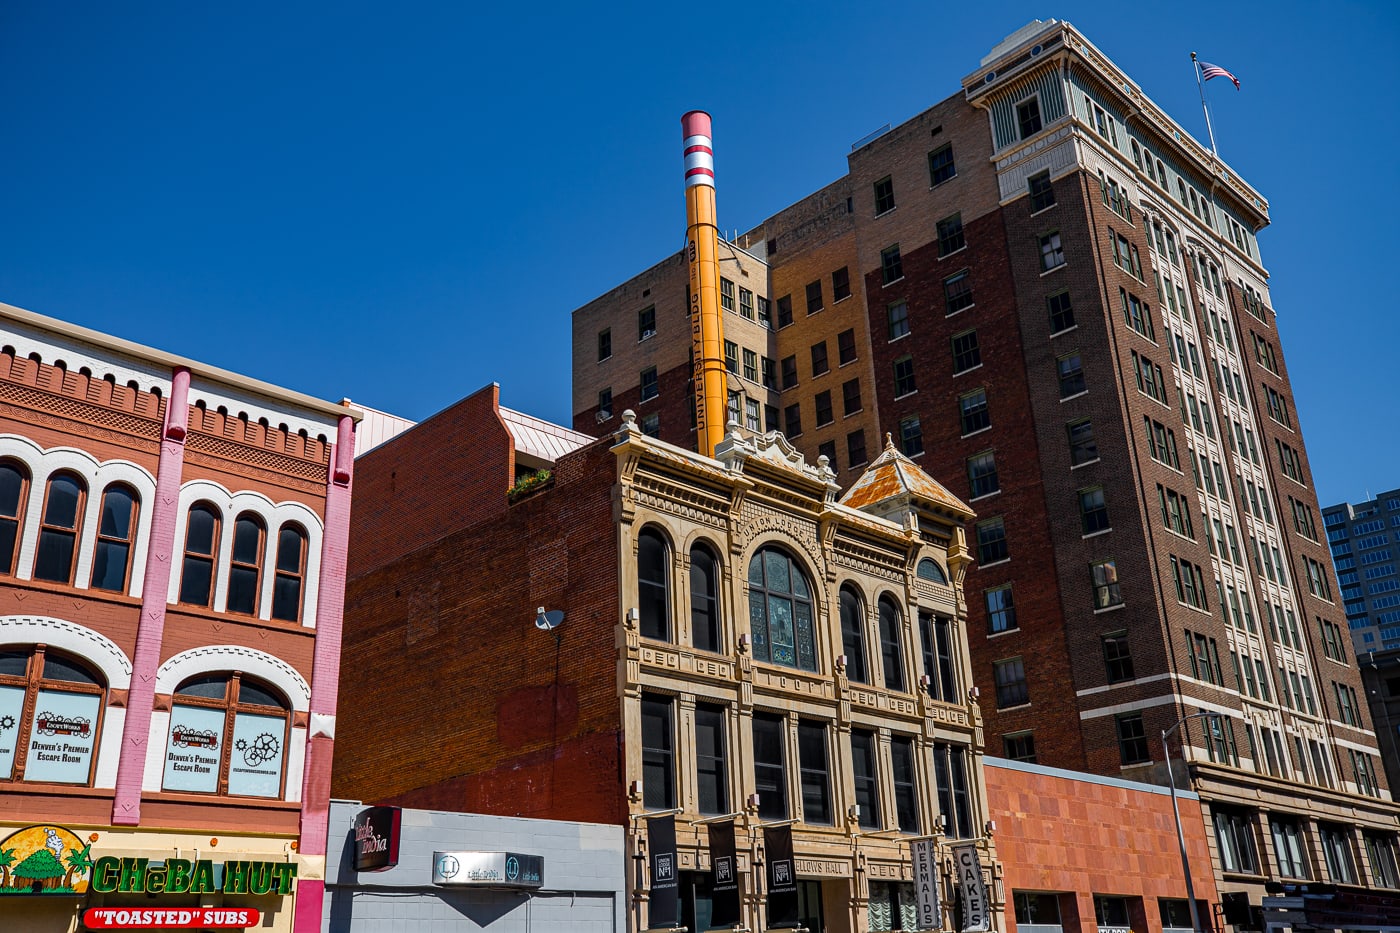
pixel 400 203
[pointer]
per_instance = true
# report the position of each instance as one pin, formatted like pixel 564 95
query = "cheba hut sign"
pixel 44 859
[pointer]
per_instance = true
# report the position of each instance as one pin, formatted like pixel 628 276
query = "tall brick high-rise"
pixel 1045 287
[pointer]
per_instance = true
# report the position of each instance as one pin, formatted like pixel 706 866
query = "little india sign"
pixel 170 918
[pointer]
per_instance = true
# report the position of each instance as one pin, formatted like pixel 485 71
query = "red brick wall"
pixel 1059 834
pixel 449 695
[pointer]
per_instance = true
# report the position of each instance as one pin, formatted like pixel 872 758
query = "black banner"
pixel 724 875
pixel 665 874
pixel 377 839
pixel 782 877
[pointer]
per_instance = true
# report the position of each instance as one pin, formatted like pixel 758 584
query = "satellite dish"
pixel 548 621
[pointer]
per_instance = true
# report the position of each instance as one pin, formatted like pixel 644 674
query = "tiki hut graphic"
pixel 44 859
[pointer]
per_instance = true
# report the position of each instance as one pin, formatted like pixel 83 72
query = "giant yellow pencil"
pixel 702 250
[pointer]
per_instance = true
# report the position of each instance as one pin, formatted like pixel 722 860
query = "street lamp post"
pixel 1176 812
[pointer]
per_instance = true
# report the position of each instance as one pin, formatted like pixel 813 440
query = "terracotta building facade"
pixel 172 559
pixel 1067 317
pixel 738 642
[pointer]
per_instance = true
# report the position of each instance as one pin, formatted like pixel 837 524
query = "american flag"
pixel 1209 71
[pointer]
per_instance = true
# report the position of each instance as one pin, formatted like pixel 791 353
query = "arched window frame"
pixel 929 569
pixel 767 594
pixel 705 625
pixel 37 680
pixel 654 584
pixel 206 562
pixel 54 535
pixel 12 514
pixel 891 622
pixel 230 745
pixel 852 613
pixel 245 558
pixel 289 577
pixel 111 538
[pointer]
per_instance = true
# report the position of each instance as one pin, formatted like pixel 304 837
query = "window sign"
pixel 63 737
pixel 11 708
pixel 255 761
pixel 192 751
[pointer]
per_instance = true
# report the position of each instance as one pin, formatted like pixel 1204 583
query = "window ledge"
pixel 943 256
pixel 948 314
pixel 1095 534
pixel 940 184
pixel 891 282
pixel 1018 706
pixel 977 432
pixel 847 363
pixel 1085 463
pixel 606 358
pixel 1053 269
pixel 1065 330
pixel 985 496
pixel 968 370
pixel 1005 631
pixel 1115 607
pixel 837 301
pixel 1066 398
pixel 261 803
pixel 887 211
pixel 998 561
pixel 852 414
pixel 906 395
pixel 1044 209
pixel 900 337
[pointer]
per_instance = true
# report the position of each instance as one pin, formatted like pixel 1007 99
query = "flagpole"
pixel 1200 86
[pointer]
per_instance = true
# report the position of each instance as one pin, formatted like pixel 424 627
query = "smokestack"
pixel 702 251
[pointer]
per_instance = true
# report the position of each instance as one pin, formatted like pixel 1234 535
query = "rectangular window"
pixel 658 754
pixel 646 323
pixel 1019 747
pixel 1336 850
pixel 1176 511
pixel 846 347
pixel 604 343
pixel 1132 739
pixel 897 314
pixel 765 317
pixel 712 781
pixel 1317 579
pixel 1277 406
pixel 891 266
pixel 819 361
pixel 792 421
pixel 816 785
pixel 1161 444
pixel 651 425
pixel 1118 661
pixel 1093 511
pixel 746 303
pixel 950 235
pixel 884 195
pixel 726 294
pixel 982 475
pixel 906 791
pixel 605 403
pixel 1082 446
pixel 911 437
pixel 751 414
pixel 840 284
pixel 850 396
pixel 769 372
pixel 1061 312
pixel 770 779
pixel 1071 375
pixel 784 311
pixel 823 405
pixel 1149 378
pixel 1190 583
pixel 1107 593
pixel 731 356
pixel 950 774
pixel 1052 254
pixel 973 413
pixel 789 366
pixel 1028 117
pixel 991 541
pixel 904 376
pixel 1138 315
pixel 649 384
pixel 814 297
pixel 966 353
pixel 1381 852
pixel 1001 609
pixel 940 165
pixel 1041 191
pixel 957 291
pixel 863 772
pixel 750 365
pixel 1234 832
pixel 855 448
pixel 1010 679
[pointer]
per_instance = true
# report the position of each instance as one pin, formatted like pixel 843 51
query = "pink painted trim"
pixel 131 767
pixel 325 675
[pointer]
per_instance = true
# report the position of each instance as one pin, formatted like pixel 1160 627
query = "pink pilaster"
pixel 155 590
pixel 325 675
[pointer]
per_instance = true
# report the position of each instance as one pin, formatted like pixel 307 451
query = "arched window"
pixel 891 652
pixel 14 483
pixel 228 735
pixel 58 532
pixel 64 700
pixel 197 569
pixel 245 564
pixel 116 531
pixel 929 570
pixel 291 572
pixel 780 611
pixel 853 635
pixel 653 585
pixel 704 598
